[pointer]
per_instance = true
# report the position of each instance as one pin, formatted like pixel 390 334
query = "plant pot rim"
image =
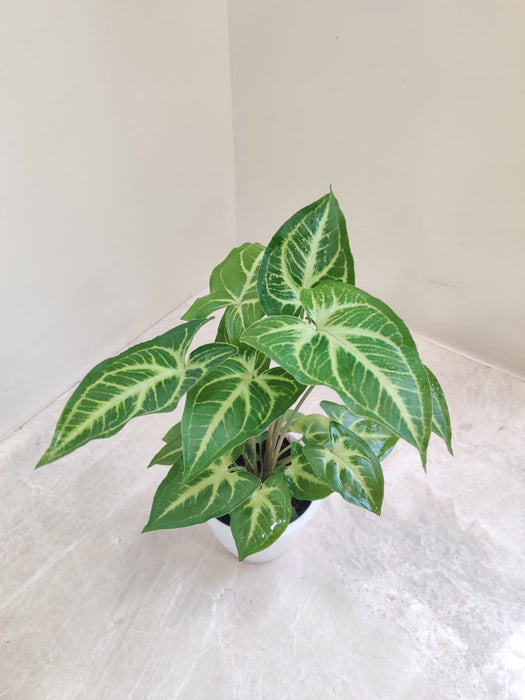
pixel 223 533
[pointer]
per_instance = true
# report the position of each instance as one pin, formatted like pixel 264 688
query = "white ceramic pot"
pixel 224 534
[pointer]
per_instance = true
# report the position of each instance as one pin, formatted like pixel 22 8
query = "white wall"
pixel 117 192
pixel 414 111
pixel 116 179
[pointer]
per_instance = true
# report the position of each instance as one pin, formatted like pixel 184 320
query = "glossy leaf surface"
pixel 349 467
pixel 380 440
pixel 148 378
pixel 310 246
pixel 440 414
pixel 236 401
pixel 262 517
pixel 233 285
pixel 214 492
pixel 222 334
pixel 360 348
pixel 300 477
pixel 313 427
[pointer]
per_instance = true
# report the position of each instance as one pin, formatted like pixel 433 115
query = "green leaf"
pixel 214 492
pixel 173 433
pixel 380 440
pixel 236 401
pixel 360 348
pixel 171 453
pixel 313 428
pixel 148 378
pixel 222 333
pixel 311 246
pixel 262 517
pixel 233 284
pixel 349 467
pixel 301 480
pixel 440 414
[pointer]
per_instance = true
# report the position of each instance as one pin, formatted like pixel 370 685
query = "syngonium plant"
pixel 292 320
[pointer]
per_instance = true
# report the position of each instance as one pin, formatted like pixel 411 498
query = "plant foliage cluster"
pixel 292 319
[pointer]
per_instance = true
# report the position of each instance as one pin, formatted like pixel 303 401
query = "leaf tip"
pixel 423 455
pixel 45 459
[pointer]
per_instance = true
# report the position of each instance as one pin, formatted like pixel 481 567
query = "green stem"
pixel 276 435
pixel 290 420
pixel 284 460
pixel 282 451
pixel 254 456
pixel 268 450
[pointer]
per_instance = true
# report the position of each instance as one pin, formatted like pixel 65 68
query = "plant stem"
pixel 290 420
pixel 255 468
pixel 284 460
pixel 276 434
pixel 270 440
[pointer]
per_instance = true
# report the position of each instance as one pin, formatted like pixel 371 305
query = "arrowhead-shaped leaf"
pixel 313 428
pixel 312 245
pixel 360 348
pixel 148 378
pixel 380 440
pixel 262 517
pixel 171 453
pixel 301 480
pixel 233 285
pixel 349 467
pixel 214 492
pixel 236 401
pixel 440 415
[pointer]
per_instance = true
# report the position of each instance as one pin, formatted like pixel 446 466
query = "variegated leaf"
pixel 237 401
pixel 311 246
pixel 148 378
pixel 262 517
pixel 380 440
pixel 313 428
pixel 440 414
pixel 171 453
pixel 301 480
pixel 214 492
pixel 233 285
pixel 349 467
pixel 360 348
pixel 222 333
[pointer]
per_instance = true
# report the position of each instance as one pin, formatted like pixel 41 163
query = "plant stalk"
pixel 255 467
pixel 270 437
pixel 276 435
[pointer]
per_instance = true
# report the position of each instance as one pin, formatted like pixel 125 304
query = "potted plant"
pixel 292 320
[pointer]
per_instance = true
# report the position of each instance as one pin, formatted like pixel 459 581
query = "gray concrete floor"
pixel 427 601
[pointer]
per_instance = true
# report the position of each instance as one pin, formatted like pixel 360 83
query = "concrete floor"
pixel 425 602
